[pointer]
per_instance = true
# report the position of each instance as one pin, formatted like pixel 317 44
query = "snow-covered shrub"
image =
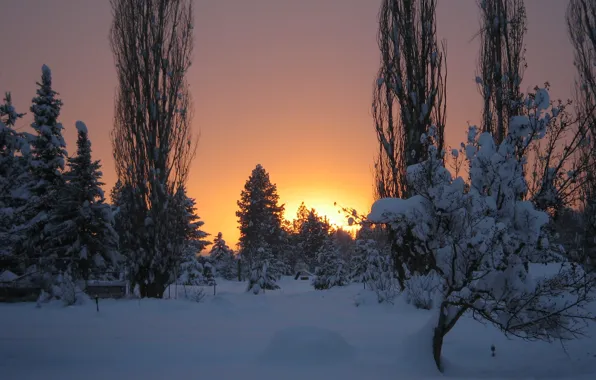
pixel 421 290
pixel 379 274
pixel 263 277
pixel 66 290
pixel 194 293
pixel 358 299
pixel 331 269
pixel 481 237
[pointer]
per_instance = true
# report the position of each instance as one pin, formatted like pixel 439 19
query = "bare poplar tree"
pixel 501 62
pixel 152 139
pixel 581 24
pixel 409 99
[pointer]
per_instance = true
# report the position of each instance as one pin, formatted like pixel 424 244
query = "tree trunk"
pixel 438 336
pixel 152 290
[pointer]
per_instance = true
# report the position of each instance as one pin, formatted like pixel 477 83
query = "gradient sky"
pixel 283 83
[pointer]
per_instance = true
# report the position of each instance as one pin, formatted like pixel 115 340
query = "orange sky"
pixel 283 83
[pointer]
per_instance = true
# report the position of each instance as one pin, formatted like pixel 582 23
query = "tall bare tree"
pixel 152 139
pixel 409 97
pixel 501 62
pixel 581 24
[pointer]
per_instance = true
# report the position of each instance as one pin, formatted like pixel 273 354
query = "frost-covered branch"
pixel 486 243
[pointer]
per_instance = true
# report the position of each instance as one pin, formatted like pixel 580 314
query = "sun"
pixel 324 208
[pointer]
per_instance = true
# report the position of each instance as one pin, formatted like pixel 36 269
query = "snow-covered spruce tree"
pixel 152 139
pixel 479 236
pixel 13 147
pixel 187 240
pixel 259 216
pixel 359 260
pixel 313 233
pixel 190 271
pixel 46 181
pixel 379 274
pixel 81 229
pixel 223 258
pixel 263 274
pixel 209 271
pixel 331 269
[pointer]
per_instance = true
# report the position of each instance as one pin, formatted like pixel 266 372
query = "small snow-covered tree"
pixel 81 232
pixel 190 271
pixel 359 261
pixel 379 273
pixel 223 258
pixel 46 181
pixel 313 233
pixel 263 275
pixel 331 269
pixel 479 238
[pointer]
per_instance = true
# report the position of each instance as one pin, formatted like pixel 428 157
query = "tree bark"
pixel 438 336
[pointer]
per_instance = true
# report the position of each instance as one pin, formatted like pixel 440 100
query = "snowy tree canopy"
pixel 481 239
pixel 81 230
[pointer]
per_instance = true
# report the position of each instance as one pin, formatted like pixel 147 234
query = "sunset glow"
pixel 286 84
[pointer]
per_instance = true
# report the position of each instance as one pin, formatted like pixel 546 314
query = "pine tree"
pixel 263 275
pixel 193 237
pixel 223 257
pixel 259 217
pixel 12 172
pixel 188 240
pixel 190 271
pixel 46 164
pixel 81 231
pixel 209 272
pixel 331 269
pixel 314 231
pixel 359 262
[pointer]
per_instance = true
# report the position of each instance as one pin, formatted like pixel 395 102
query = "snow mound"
pixel 307 345
pixel 7 276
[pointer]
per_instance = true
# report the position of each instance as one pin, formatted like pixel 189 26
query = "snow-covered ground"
pixel 293 333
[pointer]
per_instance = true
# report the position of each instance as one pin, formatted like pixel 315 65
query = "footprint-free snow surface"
pixel 290 334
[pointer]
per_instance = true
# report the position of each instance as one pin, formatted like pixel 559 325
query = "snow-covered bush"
pixel 421 290
pixel 331 270
pixel 481 237
pixel 194 293
pixel 263 276
pixel 379 275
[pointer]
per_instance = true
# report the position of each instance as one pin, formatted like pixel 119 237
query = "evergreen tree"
pixel 223 257
pixel 209 271
pixel 189 230
pixel 186 239
pixel 359 262
pixel 46 164
pixel 190 270
pixel 260 218
pixel 12 171
pixel 331 269
pixel 263 275
pixel 81 232
pixel 314 232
